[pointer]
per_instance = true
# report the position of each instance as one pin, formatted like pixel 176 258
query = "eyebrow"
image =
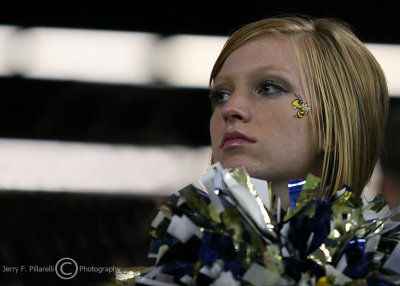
pixel 273 68
pixel 266 68
pixel 262 69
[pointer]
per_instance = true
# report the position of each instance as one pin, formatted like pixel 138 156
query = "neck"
pixel 280 189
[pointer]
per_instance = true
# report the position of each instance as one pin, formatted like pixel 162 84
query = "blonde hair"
pixel 348 92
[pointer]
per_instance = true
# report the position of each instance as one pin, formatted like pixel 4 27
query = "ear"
pixel 327 147
pixel 326 142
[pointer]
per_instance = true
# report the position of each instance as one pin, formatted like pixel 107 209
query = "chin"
pixel 236 162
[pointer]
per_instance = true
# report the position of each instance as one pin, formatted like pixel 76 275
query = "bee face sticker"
pixel 301 107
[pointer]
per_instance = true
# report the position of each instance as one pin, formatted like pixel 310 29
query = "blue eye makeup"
pixel 270 88
pixel 219 96
pixel 262 88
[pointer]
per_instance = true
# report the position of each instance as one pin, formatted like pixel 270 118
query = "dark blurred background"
pixel 40 227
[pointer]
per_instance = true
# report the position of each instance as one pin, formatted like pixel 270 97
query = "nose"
pixel 236 108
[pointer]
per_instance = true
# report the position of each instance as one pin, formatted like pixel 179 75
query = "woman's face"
pixel 253 124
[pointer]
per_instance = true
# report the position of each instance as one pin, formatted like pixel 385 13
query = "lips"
pixel 234 140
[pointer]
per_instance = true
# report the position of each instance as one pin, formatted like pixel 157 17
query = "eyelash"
pixel 268 85
pixel 215 95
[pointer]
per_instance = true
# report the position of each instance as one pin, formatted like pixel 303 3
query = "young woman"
pixel 337 129
pixel 290 96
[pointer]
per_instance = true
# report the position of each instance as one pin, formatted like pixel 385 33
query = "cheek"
pixel 214 128
pixel 285 132
pixel 277 120
pixel 300 138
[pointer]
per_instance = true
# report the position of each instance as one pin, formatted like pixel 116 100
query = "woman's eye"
pixel 219 97
pixel 269 89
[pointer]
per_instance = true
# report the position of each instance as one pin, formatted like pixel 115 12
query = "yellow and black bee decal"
pixel 301 107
